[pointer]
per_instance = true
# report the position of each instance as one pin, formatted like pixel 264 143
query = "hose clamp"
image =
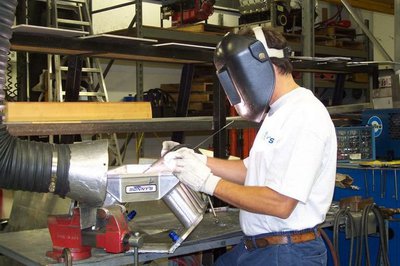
pixel 54 162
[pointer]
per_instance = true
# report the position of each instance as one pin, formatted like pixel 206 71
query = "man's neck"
pixel 283 85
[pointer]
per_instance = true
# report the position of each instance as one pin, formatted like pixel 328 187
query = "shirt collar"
pixel 285 99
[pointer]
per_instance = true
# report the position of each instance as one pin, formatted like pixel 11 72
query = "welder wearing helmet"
pixel 285 187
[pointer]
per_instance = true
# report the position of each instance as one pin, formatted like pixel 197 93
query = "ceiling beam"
pixel 386 6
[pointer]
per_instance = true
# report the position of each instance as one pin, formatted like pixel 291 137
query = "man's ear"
pixel 276 71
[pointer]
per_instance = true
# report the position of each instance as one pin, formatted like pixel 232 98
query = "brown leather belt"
pixel 280 240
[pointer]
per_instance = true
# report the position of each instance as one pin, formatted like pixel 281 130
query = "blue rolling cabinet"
pixel 381 183
pixel 378 183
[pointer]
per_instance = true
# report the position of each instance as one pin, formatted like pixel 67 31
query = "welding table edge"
pixel 15 255
pixel 100 257
pixel 188 248
pixel 105 259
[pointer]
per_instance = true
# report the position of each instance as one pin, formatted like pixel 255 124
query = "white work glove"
pixel 190 170
pixel 169 144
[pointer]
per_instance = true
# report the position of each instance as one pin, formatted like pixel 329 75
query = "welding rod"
pixel 212 208
pixel 160 161
pixel 212 135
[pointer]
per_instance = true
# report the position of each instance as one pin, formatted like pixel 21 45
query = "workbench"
pixel 29 247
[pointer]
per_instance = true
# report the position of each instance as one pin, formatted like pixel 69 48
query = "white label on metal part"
pixel 355 156
pixel 141 189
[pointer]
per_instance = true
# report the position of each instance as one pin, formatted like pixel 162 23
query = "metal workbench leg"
pixel 339 89
pixel 219 120
pixel 74 75
pixel 139 65
pixel 183 98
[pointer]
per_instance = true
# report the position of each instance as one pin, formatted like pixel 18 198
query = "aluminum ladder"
pixel 74 17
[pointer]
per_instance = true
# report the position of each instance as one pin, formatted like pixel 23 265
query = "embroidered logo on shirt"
pixel 268 138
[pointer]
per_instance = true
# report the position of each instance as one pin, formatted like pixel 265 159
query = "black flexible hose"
pixel 336 224
pixel 361 238
pixel 383 249
pixel 26 165
pixel 364 237
pixel 352 235
pixel 345 212
pixel 365 222
pixel 383 237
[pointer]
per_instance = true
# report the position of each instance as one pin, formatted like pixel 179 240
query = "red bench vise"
pixel 111 233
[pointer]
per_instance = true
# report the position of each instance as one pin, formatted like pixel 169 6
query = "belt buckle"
pixel 245 245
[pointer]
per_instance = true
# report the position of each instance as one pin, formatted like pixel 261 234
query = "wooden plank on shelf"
pixel 337 32
pixel 383 6
pixel 204 28
pixel 196 87
pixel 200 106
pixel 360 77
pixel 195 97
pixel 196 106
pixel 170 87
pixel 341 44
pixel 352 45
pixel 208 78
pixel 201 87
pixel 76 111
pixel 205 108
pixel 191 28
pixel 208 86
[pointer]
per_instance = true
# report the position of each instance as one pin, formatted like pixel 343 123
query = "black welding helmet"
pixel 246 73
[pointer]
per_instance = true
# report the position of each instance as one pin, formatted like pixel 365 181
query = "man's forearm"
pixel 232 170
pixel 261 200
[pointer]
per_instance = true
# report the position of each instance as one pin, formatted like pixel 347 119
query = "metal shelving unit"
pixel 58 41
pixel 126 47
pixel 200 123
pixel 142 44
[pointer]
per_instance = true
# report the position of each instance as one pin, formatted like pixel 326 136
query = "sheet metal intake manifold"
pixel 128 183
